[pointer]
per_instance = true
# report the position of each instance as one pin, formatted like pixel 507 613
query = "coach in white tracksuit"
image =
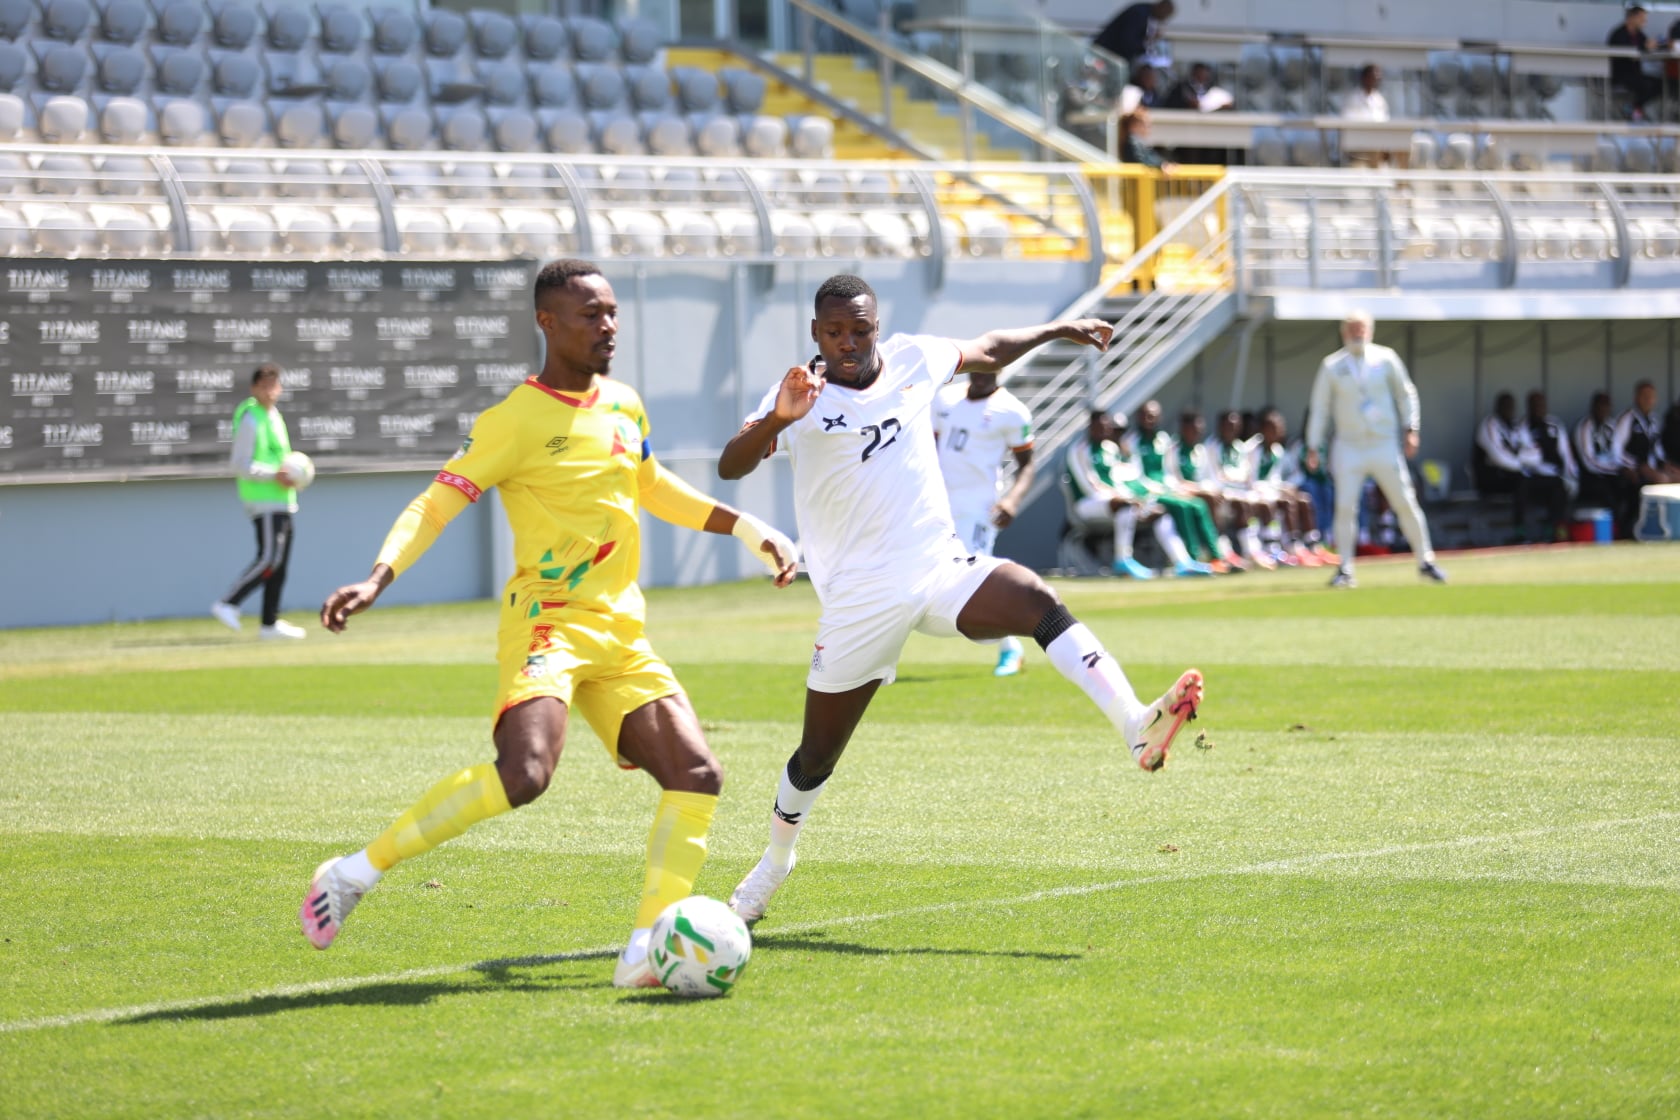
pixel 1365 394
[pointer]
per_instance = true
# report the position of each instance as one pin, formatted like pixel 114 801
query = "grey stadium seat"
pixel 123 120
pixel 346 78
pixel 177 72
pixel 396 80
pixel 408 129
pixel 14 18
pixel 58 68
pixel 565 131
pixel 233 24
pixel 14 64
pixel 545 37
pixel 743 91
pixel 551 84
pixel 669 135
pixel 463 130
pixel 64 20
pixel 601 87
pixel 395 31
pixel 765 137
pixel 503 82
pixel 183 124
pixel 494 35
pixel 513 130
pixel 697 90
pixel 234 74
pixel 117 69
pixel 303 125
pixel 718 137
pixel 649 86
pixel 176 23
pixel 592 40
pixel 354 126
pixel 292 75
pixel 342 29
pixel 620 136
pixel 288 29
pixel 123 21
pixel 446 34
pixel 638 41
pixel 241 124
pixel 450 80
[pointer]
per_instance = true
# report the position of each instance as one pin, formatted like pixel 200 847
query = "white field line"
pixel 1264 867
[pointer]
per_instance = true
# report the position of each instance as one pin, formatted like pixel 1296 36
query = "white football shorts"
pixel 864 627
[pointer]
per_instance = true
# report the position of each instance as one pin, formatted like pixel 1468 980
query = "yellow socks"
pixel 449 809
pixel 676 849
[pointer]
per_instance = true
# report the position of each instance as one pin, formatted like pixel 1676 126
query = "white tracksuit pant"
pixel 1350 463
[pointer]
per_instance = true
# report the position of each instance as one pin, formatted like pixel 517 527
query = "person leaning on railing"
pixel 1135 146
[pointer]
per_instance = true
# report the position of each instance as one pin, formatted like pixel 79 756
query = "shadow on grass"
pixel 817 943
pixel 172 643
pixel 498 976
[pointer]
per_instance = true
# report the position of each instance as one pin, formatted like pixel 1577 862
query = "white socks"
pixel 358 870
pixel 637 950
pixel 1171 543
pixel 793 807
pixel 1079 657
pixel 1125 528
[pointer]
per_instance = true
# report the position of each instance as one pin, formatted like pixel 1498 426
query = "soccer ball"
pixel 699 947
pixel 301 467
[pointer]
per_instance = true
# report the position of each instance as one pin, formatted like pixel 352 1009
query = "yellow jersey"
pixel 572 469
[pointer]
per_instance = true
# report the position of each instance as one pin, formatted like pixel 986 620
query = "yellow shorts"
pixel 599 665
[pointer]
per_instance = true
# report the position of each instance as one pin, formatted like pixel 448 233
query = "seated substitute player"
pixel 1107 487
pixel 1153 449
pixel 882 552
pixel 569 450
pixel 976 425
pixel 1272 471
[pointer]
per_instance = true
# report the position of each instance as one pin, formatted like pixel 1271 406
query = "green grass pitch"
pixel 1426 863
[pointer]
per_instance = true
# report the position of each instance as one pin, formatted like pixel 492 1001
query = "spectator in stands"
pixel 1628 74
pixel 1134 34
pixel 1605 480
pixel 260 446
pixel 1135 146
pixel 1366 103
pixel 1506 461
pixel 1144 90
pixel 1198 92
pixel 1364 393
pixel 1639 439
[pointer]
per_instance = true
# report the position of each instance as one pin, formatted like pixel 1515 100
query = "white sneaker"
pixel 752 897
pixel 634 972
pixel 1152 735
pixel 282 629
pixel 227 614
pixel 329 900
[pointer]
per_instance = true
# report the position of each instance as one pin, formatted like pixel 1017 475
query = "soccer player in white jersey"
pixel 883 553
pixel 977 425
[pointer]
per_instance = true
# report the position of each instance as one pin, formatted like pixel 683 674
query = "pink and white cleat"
pixel 330 899
pixel 1153 735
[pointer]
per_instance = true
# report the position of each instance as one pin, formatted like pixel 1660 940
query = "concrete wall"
pixel 700 342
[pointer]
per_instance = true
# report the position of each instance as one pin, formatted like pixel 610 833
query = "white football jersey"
pixel 866 485
pixel 975 437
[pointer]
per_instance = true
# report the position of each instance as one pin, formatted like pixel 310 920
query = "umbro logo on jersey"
pixel 557 445
pixel 832 422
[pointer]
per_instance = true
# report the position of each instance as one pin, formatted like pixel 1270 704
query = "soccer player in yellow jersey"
pixel 569 450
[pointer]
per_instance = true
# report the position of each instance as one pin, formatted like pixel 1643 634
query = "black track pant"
pixel 274 550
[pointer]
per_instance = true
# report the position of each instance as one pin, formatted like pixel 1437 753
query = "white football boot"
pixel 329 900
pixel 1152 735
pixel 752 897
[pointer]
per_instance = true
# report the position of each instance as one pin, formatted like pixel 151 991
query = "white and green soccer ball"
pixel 699 947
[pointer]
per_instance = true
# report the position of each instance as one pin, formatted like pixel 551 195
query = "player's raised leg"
pixel 1016 601
pixel 528 742
pixel 830 719
pixel 664 738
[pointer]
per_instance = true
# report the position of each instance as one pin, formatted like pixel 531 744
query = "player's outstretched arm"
pixel 755 442
pixel 671 499
pixel 354 598
pixel 994 350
